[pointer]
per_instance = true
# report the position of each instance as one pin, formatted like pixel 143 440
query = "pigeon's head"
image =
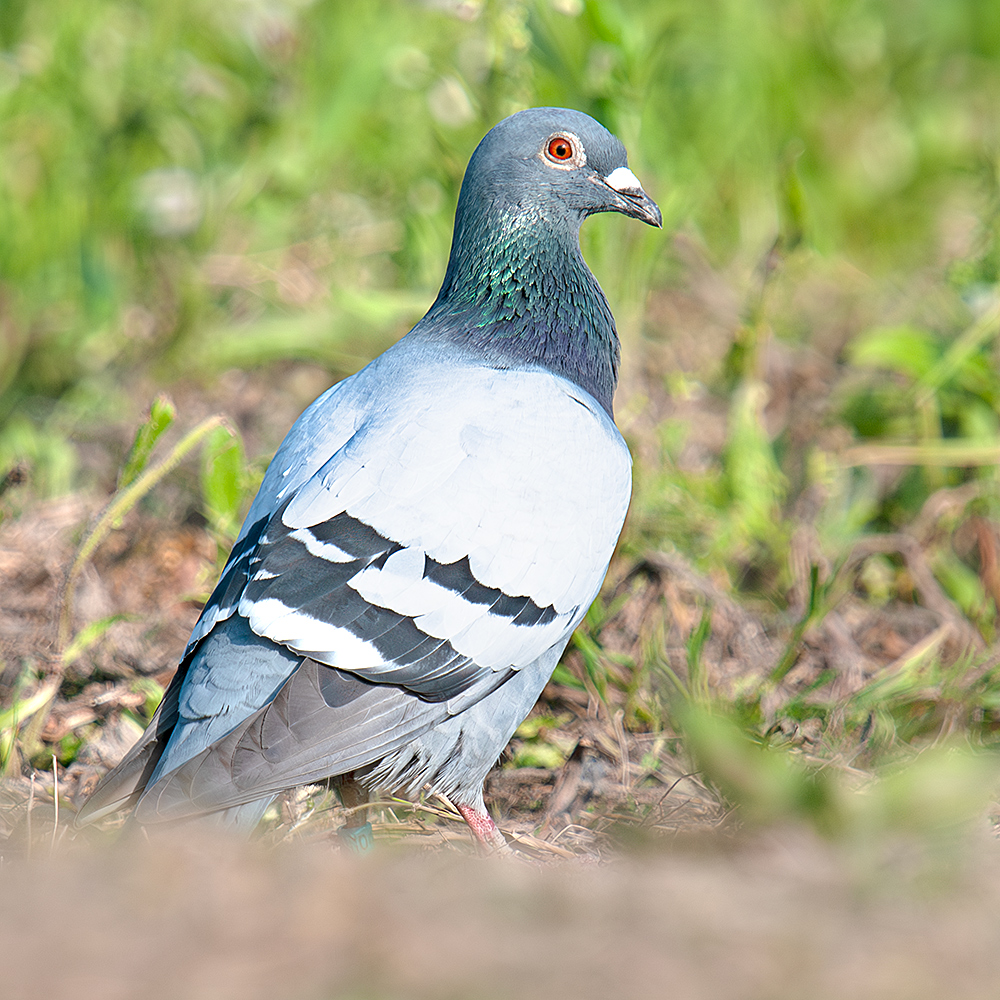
pixel 558 163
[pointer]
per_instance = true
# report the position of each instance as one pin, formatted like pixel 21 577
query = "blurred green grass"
pixel 192 187
pixel 146 145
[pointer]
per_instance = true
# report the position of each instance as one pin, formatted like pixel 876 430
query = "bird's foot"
pixel 487 833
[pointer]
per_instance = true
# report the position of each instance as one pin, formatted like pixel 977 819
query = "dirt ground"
pixel 778 917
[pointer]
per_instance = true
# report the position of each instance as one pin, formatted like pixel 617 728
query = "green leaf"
pixel 24 708
pixel 162 414
pixel 89 634
pixel 697 678
pixel 962 584
pixel 596 670
pixel 767 783
pixel 222 476
pixel 904 349
pixel 753 477
pixel 153 693
pixel 68 747
pixel 562 675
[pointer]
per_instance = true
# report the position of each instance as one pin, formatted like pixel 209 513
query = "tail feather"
pixel 122 787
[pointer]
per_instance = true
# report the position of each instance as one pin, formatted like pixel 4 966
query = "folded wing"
pixel 459 533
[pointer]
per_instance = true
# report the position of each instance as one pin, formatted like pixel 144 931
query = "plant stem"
pixel 120 505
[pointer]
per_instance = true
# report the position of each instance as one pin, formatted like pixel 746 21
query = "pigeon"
pixel 429 533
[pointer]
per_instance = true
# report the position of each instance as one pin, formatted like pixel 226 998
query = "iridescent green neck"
pixel 518 291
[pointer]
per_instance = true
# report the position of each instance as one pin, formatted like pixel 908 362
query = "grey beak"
pixel 631 200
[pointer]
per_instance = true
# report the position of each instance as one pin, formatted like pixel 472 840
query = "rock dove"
pixel 430 532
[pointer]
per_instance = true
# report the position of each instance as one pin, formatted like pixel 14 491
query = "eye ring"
pixel 564 151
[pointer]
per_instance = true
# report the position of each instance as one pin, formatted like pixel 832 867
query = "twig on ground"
pixel 932 596
pixel 55 802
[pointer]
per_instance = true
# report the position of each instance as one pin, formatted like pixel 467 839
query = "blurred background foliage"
pixel 192 187
pixel 159 160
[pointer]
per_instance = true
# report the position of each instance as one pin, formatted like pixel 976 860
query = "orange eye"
pixel 560 148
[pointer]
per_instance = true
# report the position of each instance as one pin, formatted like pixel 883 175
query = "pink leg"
pixel 486 832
